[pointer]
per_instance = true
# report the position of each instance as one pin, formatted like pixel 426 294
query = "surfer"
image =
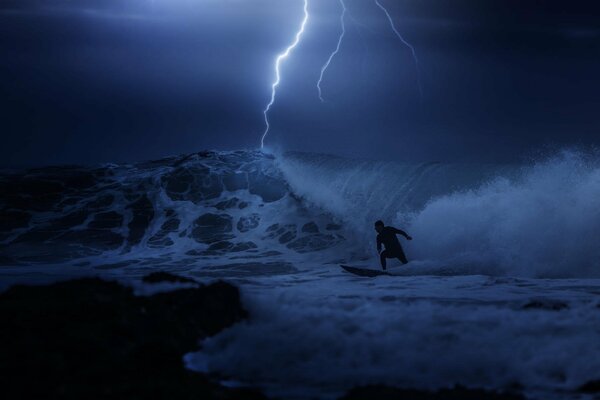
pixel 387 237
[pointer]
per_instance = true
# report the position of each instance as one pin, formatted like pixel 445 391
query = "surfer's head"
pixel 379 225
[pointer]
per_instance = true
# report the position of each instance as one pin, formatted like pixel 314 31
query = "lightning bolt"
pixel 337 49
pixel 278 61
pixel 410 46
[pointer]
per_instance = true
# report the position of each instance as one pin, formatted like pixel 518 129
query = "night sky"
pixel 88 81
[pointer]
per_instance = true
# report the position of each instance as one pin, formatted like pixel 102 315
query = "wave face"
pixel 172 212
pixel 540 220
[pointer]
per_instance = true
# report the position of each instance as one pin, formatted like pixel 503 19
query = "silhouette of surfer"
pixel 387 237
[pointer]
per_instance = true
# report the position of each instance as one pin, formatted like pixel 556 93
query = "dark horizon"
pixel 108 81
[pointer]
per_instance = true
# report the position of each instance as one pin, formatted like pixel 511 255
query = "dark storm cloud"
pixel 102 80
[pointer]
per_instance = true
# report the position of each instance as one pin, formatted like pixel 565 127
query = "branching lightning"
pixel 410 46
pixel 286 53
pixel 278 61
pixel 337 49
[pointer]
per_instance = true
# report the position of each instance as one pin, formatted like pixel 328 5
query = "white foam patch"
pixel 421 332
pixel 545 224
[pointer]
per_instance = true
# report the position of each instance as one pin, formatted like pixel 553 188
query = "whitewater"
pixel 501 291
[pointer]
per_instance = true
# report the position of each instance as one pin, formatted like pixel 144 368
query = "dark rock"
pixel 248 223
pixel 92 339
pixel 210 228
pixel 310 227
pixel 242 205
pixel 381 392
pixel 157 277
pixel 333 227
pixel 546 304
pixel 591 387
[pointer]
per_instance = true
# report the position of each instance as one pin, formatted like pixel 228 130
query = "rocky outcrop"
pixel 90 339
pixel 94 339
pixel 591 387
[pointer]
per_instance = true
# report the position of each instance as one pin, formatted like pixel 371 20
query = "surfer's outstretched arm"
pixel 401 232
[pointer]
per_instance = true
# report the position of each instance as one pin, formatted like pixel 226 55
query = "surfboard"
pixel 364 271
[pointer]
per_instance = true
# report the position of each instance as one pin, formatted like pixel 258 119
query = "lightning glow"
pixel 278 61
pixel 410 46
pixel 337 49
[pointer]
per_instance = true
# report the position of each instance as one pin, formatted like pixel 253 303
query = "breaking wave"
pixel 538 220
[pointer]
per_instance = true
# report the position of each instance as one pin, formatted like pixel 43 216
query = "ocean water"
pixel 502 290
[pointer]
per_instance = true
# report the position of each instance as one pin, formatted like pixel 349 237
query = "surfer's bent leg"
pixel 401 256
pixel 382 257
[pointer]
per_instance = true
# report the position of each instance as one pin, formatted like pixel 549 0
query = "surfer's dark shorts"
pixel 394 253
